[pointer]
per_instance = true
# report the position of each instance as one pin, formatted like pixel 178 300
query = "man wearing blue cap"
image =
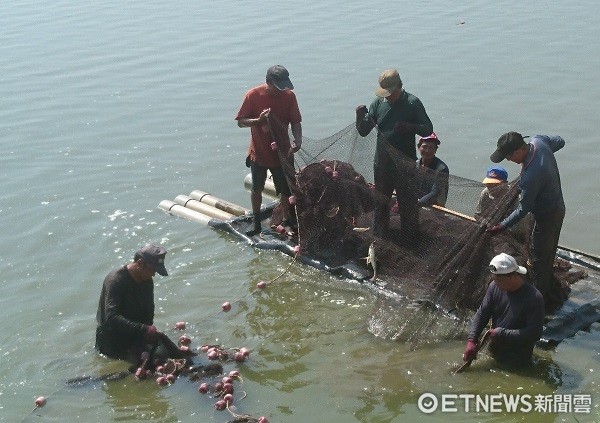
pixel 126 308
pixel 496 185
pixel 541 195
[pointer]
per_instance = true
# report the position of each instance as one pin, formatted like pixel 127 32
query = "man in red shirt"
pixel 268 110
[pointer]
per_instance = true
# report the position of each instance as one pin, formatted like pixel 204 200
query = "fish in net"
pixel 437 264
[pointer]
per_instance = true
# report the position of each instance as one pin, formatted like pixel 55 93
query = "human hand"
pixel 404 127
pixel 264 115
pixel 295 147
pixel 151 334
pixel 496 229
pixel 470 353
pixel 492 332
pixel 361 112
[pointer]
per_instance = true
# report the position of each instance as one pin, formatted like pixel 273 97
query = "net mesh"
pixel 440 266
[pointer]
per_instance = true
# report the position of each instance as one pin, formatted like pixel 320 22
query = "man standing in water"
pixel 125 314
pixel 517 312
pixel 267 110
pixel 399 117
pixel 541 195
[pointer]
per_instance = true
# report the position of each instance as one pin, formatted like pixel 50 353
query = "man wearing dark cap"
pixel 516 309
pixel 399 117
pixel 268 110
pixel 126 308
pixel 541 195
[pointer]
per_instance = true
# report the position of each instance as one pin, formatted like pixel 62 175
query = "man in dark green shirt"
pixel 399 116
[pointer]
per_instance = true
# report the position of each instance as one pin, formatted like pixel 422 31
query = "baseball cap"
pixel 430 138
pixel 389 81
pixel 495 175
pixel 504 264
pixel 280 77
pixel 507 143
pixel 154 255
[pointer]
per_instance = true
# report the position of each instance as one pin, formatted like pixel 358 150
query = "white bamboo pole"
pixel 218 203
pixel 187 202
pixel 178 210
pixel 269 186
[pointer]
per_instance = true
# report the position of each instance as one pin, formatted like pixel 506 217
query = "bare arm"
pixel 297 133
pixel 248 122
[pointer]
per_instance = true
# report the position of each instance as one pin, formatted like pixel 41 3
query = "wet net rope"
pixel 439 271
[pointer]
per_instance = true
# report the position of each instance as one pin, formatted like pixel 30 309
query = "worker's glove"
pixel 151 334
pixel 470 353
pixel 361 112
pixel 496 229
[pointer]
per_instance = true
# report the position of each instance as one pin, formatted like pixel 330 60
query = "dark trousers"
pixel 544 242
pixel 387 178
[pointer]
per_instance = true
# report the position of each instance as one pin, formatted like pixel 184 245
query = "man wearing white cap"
pixel 517 311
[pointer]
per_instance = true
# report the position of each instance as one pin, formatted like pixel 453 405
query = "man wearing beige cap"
pixel 399 116
pixel 517 311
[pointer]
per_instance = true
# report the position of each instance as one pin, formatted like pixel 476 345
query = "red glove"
pixel 151 334
pixel 470 353
pixel 496 229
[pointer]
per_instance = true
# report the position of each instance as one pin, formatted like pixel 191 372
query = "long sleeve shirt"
pixel 433 182
pixel 540 187
pixel 125 309
pixel 518 317
pixel 408 108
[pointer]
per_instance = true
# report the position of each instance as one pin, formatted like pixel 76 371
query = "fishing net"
pixel 436 263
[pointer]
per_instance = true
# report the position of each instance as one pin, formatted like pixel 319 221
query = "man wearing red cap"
pixel 399 116
pixel 433 173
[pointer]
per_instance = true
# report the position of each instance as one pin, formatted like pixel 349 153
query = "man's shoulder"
pixel 411 98
pixel 441 165
pixel 117 275
pixel 258 90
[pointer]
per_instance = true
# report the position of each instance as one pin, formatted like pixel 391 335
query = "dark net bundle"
pixel 438 270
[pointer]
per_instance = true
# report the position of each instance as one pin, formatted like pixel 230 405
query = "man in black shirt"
pixel 126 308
pixel 517 312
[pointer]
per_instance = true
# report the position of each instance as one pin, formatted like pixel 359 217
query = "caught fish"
pixel 333 212
pixel 372 260
pixel 360 230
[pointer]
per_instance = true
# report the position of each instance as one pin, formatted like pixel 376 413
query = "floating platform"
pixel 580 311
